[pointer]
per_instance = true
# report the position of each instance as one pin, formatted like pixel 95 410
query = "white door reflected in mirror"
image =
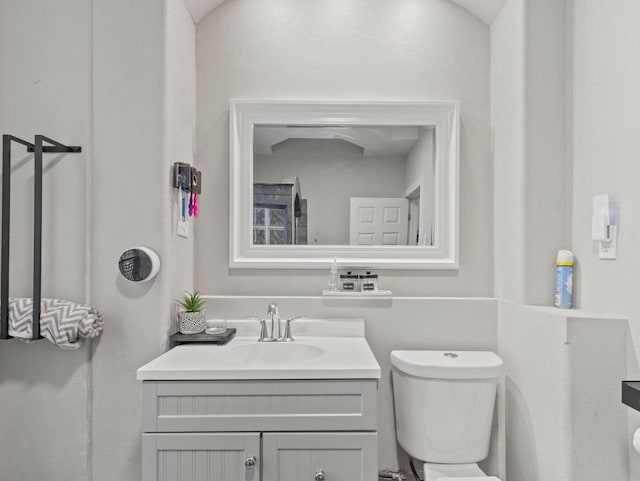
pixel 379 221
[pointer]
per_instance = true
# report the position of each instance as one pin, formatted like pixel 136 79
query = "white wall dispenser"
pixel 604 229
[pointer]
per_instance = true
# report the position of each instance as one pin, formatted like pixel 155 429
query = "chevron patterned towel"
pixel 64 323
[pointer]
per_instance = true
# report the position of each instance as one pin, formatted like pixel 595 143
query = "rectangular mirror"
pixel 372 184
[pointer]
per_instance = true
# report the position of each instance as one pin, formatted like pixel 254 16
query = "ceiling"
pixel 485 10
pixel 375 141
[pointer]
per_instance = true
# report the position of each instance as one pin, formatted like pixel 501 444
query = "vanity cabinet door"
pixel 201 457
pixel 319 456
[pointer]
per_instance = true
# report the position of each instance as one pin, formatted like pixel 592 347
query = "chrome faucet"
pixel 274 312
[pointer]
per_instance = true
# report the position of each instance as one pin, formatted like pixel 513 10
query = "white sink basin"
pixel 274 352
pixel 245 358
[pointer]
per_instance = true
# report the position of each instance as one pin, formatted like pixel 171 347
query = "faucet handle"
pixel 286 337
pixel 264 335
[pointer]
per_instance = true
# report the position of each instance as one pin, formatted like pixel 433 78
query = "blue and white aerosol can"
pixel 564 279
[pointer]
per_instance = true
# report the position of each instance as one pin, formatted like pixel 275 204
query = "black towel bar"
pixel 38 148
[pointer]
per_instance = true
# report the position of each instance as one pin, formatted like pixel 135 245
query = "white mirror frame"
pixel 444 116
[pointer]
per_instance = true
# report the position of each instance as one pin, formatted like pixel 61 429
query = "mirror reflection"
pixel 343 185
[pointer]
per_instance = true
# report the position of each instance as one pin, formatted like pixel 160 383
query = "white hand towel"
pixel 64 323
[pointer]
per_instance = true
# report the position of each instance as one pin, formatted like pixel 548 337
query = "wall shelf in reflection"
pixel 379 294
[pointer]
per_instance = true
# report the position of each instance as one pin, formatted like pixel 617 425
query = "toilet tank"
pixel 444 403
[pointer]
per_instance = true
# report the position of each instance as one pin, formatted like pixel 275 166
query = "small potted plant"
pixel 191 314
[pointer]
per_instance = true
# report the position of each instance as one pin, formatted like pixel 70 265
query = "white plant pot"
pixel 192 322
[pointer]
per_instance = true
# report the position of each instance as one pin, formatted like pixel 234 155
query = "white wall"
pixel 606 99
pixel 179 134
pixel 508 145
pixel 330 173
pixel 529 102
pixel 547 163
pixel 533 345
pixel 599 419
pixel 373 49
pixel 142 124
pixel 404 323
pixel 126 95
pixel 117 78
pixel 45 89
pixel 420 165
pixel 563 416
pixel 564 65
pixel 127 145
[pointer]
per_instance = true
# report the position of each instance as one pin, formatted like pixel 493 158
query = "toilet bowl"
pixel 444 403
pixel 455 472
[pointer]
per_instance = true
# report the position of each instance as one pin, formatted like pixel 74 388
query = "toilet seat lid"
pixel 448 364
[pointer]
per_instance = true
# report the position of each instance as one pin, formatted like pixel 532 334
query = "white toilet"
pixel 444 409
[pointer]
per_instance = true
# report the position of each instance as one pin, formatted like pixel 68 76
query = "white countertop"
pixel 311 357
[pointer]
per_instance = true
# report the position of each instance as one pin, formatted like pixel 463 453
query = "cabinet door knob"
pixel 250 462
pixel 319 476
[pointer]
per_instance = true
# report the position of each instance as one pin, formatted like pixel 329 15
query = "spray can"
pixel 564 279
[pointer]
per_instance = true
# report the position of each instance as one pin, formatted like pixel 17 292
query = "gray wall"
pixel 376 49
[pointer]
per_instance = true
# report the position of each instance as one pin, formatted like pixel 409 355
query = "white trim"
pixel 417 184
pixel 381 294
pixel 444 116
pixel 422 222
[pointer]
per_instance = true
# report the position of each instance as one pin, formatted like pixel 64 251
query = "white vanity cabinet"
pixel 260 430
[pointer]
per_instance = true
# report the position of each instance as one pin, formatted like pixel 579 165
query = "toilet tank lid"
pixel 448 364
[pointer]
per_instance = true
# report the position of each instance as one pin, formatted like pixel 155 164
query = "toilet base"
pixel 455 472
